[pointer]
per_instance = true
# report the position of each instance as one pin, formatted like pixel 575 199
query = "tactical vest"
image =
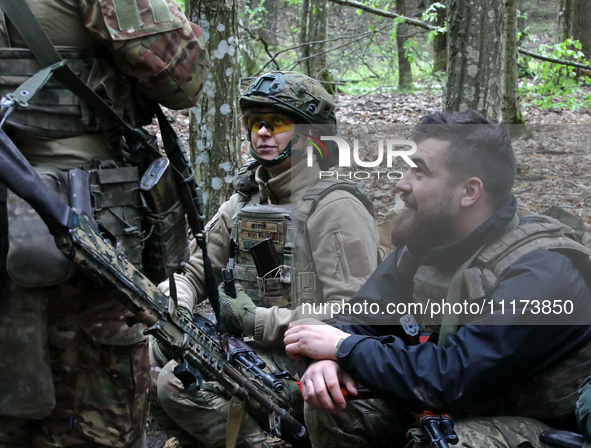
pixel 295 281
pixel 56 112
pixel 552 393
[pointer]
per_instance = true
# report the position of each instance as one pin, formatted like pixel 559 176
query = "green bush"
pixel 556 85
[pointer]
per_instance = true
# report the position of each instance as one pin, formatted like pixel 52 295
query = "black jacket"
pixel 493 352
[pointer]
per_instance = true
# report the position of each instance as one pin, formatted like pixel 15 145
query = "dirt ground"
pixel 553 157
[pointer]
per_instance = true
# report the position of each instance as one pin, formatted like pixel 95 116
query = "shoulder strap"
pixel 43 49
pixel 321 188
pixel 525 238
pixel 449 324
pixel 510 245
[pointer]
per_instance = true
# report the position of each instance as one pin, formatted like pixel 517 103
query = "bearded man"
pixel 503 374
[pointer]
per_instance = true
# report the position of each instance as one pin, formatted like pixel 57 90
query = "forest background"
pixel 389 62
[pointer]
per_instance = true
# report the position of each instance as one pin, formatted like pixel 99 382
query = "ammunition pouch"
pixel 33 259
pixel 117 205
pixel 253 224
pixel 27 388
pixel 167 243
pixel 274 287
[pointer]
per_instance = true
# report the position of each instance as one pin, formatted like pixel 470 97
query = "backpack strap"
pixel 544 233
pixel 322 188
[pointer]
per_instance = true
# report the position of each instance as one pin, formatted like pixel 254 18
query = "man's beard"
pixel 427 230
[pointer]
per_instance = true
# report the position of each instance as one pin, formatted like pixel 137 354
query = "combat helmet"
pixel 295 94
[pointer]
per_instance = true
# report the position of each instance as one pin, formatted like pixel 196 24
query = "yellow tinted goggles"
pixel 274 122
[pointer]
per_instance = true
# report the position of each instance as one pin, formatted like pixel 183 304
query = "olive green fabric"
pixel 380 423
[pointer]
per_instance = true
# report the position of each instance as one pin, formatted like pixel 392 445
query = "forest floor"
pixel 553 160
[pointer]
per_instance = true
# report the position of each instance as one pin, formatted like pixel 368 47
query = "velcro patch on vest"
pixel 253 232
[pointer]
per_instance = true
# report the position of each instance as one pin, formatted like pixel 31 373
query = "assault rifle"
pixel 197 349
pixel 439 428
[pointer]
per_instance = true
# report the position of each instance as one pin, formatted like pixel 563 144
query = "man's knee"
pixel 495 432
pixel 362 423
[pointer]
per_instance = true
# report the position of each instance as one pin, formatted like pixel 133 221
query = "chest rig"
pixel 552 393
pixel 295 281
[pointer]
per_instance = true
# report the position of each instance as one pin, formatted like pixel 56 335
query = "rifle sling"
pixel 235 412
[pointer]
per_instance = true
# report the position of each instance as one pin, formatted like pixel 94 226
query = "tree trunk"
pixel 314 26
pixel 566 18
pixel 270 19
pixel 582 26
pixel 521 25
pixel 475 49
pixel 214 134
pixel 304 65
pixel 440 42
pixel 317 21
pixel 511 109
pixel 404 67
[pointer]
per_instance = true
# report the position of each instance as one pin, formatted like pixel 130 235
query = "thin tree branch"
pixel 351 36
pixel 381 12
pixel 259 38
pixel 555 61
pixel 425 25
pixel 362 36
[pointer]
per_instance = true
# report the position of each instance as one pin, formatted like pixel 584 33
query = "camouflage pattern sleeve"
pixel 153 42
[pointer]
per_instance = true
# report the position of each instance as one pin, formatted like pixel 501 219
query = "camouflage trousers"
pixel 380 423
pixel 97 367
pixel 199 419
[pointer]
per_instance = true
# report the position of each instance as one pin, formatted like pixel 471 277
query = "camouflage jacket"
pixel 119 48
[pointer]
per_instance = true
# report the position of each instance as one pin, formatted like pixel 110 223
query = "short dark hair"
pixel 482 150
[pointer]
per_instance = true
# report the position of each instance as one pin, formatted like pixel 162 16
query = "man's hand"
pixel 316 341
pixel 237 314
pixel 321 386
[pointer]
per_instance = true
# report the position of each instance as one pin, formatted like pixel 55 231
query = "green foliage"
pixel 555 85
pixel 409 46
pixel 254 13
pixel 182 3
pixel 361 47
pixel 431 15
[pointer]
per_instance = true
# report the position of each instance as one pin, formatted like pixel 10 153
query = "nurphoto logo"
pixel 344 152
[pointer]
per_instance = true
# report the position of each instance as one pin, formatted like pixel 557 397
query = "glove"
pixel 161 354
pixel 237 314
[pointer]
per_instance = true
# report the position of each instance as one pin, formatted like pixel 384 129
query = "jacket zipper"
pixel 339 248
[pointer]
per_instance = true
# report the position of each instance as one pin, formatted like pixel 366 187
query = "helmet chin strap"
pixel 287 152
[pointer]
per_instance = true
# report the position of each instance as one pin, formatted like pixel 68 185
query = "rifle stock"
pixel 109 267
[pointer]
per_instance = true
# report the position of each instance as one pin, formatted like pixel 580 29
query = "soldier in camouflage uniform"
pixel 341 237
pixel 503 376
pixel 73 372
